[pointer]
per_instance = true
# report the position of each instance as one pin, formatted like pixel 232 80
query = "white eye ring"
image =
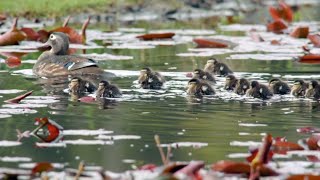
pixel 52 37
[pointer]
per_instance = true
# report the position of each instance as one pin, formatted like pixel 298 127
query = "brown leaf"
pixel 275 42
pixel 31 34
pixel 210 43
pixel 303 177
pixel 13 36
pixel 19 98
pixel 154 36
pixel 315 39
pixel 13 62
pixel 277 26
pixel 43 35
pixel 312 142
pixel 283 11
pixel 300 32
pixel 41 167
pixel 282 147
pixel 310 58
pixel 173 167
pixel 191 170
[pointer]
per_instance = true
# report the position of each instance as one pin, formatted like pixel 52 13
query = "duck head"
pixel 58 44
pixel 74 85
pixel 193 85
pixel 102 88
pixel 230 81
pixel 242 86
pixel 254 84
pixel 273 81
pixel 198 73
pixel 313 84
pixel 209 67
pixel 144 74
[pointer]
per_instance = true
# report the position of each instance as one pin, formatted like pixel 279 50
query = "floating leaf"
pixel 282 147
pixel 87 99
pixel 310 58
pixel 277 26
pixel 31 34
pixel 284 11
pixel 13 36
pixel 19 98
pixel 300 32
pixel 41 167
pixel 191 170
pixel 211 43
pixel 153 36
pixel 308 130
pixel 13 62
pixel 315 39
pixel 312 142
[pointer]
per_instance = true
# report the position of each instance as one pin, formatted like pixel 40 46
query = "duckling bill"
pixel 150 80
pixel 198 87
pixel 218 68
pixel 56 61
pixel 260 91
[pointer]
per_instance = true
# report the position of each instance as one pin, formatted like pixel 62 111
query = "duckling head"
pixel 198 73
pixel 144 74
pixel 58 43
pixel 273 81
pixel 74 85
pixel 254 84
pixel 313 84
pixel 230 80
pixel 102 88
pixel 192 86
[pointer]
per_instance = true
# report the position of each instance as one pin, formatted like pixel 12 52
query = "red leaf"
pixel 87 99
pixel 308 130
pixel 191 169
pixel 303 177
pixel 300 32
pixel 153 36
pixel 315 39
pixel 54 132
pixel 18 98
pixel 32 35
pixel 210 43
pixel 275 42
pixel 277 26
pixel 312 142
pixel 310 58
pixel 43 35
pixel 274 13
pixel 283 11
pixel 150 167
pixel 282 147
pixel 41 167
pixel 13 62
pixel 13 36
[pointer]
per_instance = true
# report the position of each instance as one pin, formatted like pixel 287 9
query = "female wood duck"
pixel 56 61
pixel 242 86
pixel 231 82
pixel 279 87
pixel 108 90
pixel 150 80
pixel 313 90
pixel 198 87
pixel 200 74
pixel 299 88
pixel 216 67
pixel 260 91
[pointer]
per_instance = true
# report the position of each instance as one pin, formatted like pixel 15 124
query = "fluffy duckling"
pixel 198 87
pixel 77 85
pixel 216 67
pixel 56 61
pixel 260 91
pixel 299 88
pixel 150 80
pixel 108 90
pixel 313 90
pixel 279 87
pixel 231 82
pixel 242 86
pixel 203 75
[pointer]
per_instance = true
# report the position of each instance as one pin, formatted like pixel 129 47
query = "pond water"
pixel 225 124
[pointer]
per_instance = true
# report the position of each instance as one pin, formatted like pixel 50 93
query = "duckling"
pixel 56 61
pixel 279 87
pixel 108 90
pixel 150 80
pixel 242 86
pixel 198 87
pixel 200 74
pixel 313 90
pixel 260 91
pixel 231 82
pixel 299 88
pixel 216 67
pixel 77 85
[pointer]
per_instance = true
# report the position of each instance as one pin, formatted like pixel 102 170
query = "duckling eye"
pixel 52 37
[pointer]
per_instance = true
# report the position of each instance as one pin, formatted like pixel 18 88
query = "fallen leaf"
pixel 282 147
pixel 31 34
pixel 87 99
pixel 13 36
pixel 41 167
pixel 275 42
pixel 315 39
pixel 310 58
pixel 283 11
pixel 300 32
pixel 210 43
pixel 277 26
pixel 312 142
pixel 153 36
pixel 308 129
pixel 18 98
pixel 191 170
pixel 13 62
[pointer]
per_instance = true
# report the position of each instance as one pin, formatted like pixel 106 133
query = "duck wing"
pixel 72 63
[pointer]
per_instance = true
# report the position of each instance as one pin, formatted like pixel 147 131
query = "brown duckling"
pixel 56 61
pixel 231 82
pixel 203 75
pixel 150 80
pixel 299 88
pixel 279 87
pixel 260 91
pixel 216 67
pixel 242 86
pixel 313 90
pixel 108 90
pixel 77 85
pixel 198 87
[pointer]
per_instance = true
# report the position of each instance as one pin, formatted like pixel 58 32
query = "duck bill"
pixel 44 47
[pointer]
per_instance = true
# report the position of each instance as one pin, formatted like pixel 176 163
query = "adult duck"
pixel 56 61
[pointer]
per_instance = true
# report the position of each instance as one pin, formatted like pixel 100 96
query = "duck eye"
pixel 52 37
